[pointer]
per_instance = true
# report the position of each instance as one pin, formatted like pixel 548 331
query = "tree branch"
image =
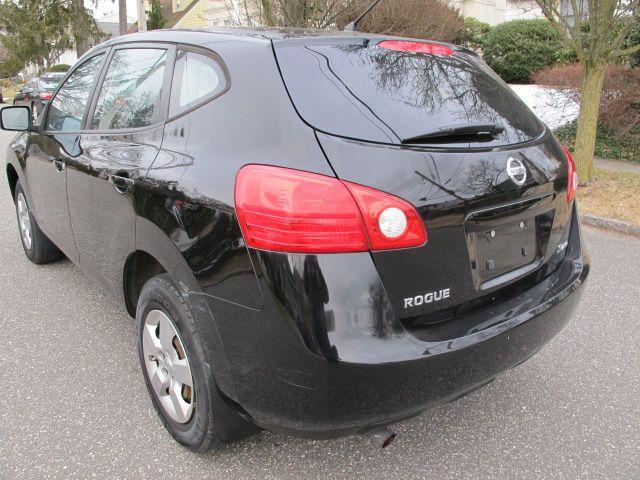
pixel 553 16
pixel 624 32
pixel 627 51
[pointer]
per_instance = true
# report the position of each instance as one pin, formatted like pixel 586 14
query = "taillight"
pixel 286 210
pixel 416 47
pixel 45 95
pixel 572 182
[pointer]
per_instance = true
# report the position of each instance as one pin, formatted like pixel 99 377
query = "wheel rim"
pixel 168 367
pixel 24 221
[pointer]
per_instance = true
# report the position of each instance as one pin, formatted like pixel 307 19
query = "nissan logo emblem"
pixel 516 171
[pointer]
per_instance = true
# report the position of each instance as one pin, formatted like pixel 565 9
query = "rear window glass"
pixel 196 79
pixel 49 83
pixel 371 93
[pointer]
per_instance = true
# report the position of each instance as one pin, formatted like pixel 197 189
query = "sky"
pixel 108 7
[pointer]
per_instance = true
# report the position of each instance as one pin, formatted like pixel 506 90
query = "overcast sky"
pixel 107 7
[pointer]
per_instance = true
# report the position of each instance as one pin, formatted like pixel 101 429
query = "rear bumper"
pixel 322 369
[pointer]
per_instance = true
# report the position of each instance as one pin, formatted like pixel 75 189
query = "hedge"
pixel 519 48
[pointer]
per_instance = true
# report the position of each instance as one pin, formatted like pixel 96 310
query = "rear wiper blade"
pixel 460 130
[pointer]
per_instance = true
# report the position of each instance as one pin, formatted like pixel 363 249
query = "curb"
pixel 611 224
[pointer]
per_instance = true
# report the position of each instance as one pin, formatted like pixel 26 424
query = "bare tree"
pixel 307 13
pixel 428 19
pixel 81 41
pixel 596 30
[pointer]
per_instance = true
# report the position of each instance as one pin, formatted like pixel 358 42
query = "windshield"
pixel 367 92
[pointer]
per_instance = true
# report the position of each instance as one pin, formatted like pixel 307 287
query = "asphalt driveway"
pixel 73 403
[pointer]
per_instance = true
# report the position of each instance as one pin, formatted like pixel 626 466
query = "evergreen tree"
pixel 155 19
pixel 39 31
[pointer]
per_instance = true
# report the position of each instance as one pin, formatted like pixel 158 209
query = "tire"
pixel 160 294
pixel 37 246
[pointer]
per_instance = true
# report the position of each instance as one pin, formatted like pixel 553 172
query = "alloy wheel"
pixel 24 221
pixel 168 367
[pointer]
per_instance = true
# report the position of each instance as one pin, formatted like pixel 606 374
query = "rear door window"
pixel 364 91
pixel 131 93
pixel 197 78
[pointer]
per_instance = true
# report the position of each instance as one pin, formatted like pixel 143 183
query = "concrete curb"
pixel 611 224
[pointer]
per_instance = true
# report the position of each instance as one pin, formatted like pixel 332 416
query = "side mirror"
pixel 17 119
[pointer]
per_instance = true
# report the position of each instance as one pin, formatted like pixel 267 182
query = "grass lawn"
pixel 613 195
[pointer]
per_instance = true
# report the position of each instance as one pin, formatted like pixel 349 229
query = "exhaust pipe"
pixel 382 437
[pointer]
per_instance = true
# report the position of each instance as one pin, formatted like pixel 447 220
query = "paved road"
pixel 617 165
pixel 73 403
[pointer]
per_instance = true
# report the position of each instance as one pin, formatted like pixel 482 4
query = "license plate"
pixel 509 241
pixel 505 248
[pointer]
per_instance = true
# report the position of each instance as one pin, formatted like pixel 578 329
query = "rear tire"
pixel 189 418
pixel 37 246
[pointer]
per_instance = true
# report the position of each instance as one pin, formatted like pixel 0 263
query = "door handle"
pixel 121 184
pixel 58 163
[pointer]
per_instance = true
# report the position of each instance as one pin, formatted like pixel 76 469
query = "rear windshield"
pixel 49 83
pixel 367 92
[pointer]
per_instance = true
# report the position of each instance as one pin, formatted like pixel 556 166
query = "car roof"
pixel 264 35
pixel 207 35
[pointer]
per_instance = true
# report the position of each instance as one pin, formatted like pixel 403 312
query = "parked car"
pixel 317 234
pixel 37 92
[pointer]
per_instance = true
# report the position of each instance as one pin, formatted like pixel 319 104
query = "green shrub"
pixel 60 67
pixel 608 145
pixel 632 40
pixel 474 34
pixel 517 49
pixel 10 67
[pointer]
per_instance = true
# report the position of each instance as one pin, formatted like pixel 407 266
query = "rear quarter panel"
pixel 189 193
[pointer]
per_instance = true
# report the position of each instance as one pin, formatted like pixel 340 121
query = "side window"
pixel 68 106
pixel 132 90
pixel 196 78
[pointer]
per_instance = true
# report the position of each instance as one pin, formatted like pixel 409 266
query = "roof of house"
pixel 171 19
pixel 192 16
pixel 111 29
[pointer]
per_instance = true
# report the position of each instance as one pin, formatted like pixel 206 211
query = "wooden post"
pixel 142 17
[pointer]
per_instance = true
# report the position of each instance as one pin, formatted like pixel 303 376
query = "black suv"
pixel 317 233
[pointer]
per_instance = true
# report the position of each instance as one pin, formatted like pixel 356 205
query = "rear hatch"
pixel 446 134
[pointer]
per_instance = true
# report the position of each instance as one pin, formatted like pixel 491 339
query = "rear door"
pixel 494 205
pixel 121 139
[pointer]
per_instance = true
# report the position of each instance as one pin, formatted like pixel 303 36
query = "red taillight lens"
pixel 416 47
pixel 572 183
pixel 293 211
pixel 45 95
